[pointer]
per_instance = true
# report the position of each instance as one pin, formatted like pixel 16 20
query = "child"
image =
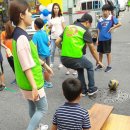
pixel 41 40
pixel 71 116
pixel 105 26
pixel 28 70
pixel 2 85
pixel 6 42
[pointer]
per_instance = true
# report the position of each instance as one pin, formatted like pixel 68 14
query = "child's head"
pixel 71 89
pixel 38 23
pixel 9 29
pixel 106 10
pixel 19 13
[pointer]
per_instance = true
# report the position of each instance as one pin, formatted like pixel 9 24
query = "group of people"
pixel 30 62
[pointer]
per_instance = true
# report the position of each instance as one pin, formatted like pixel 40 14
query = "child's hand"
pixel 8 52
pixel 111 29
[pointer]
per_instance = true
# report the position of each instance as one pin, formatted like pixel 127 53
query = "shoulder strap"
pixel 112 20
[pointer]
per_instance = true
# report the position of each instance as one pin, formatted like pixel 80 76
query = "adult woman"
pixel 57 26
pixel 28 70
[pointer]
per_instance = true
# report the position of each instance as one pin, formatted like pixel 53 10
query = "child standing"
pixel 41 40
pixel 6 42
pixel 2 85
pixel 28 70
pixel 105 26
pixel 71 116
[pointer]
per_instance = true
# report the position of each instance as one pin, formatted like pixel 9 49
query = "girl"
pixel 57 25
pixel 2 85
pixel 28 70
pixel 6 42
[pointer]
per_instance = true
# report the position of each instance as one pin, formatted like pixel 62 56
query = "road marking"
pixel 10 90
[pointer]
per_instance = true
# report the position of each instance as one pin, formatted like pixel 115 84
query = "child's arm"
pixel 46 67
pixel 114 27
pixel 54 127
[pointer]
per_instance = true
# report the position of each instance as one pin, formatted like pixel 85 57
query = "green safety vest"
pixel 21 78
pixel 73 42
pixel 128 3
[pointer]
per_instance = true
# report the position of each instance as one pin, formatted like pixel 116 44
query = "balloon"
pixel 41 16
pixel 45 12
pixel 49 17
pixel 41 8
pixel 45 21
pixel 49 7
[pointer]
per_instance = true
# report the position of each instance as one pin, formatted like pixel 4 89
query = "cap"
pixel 85 17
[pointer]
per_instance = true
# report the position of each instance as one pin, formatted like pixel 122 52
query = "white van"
pixel 93 7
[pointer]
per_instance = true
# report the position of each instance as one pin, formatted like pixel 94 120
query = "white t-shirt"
pixel 57 27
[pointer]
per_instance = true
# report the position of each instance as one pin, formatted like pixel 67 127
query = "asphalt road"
pixel 14 109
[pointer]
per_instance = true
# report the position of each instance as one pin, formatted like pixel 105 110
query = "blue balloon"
pixel 45 21
pixel 45 12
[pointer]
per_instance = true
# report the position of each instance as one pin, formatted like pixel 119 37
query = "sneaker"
pixel 92 91
pixel 67 73
pixel 75 73
pixel 43 127
pixel 2 87
pixel 108 69
pixel 60 66
pixel 83 94
pixel 51 65
pixel 48 84
pixel 14 81
pixel 99 67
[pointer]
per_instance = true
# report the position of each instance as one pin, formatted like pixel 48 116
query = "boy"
pixel 107 23
pixel 71 115
pixel 41 40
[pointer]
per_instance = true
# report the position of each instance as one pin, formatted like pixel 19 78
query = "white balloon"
pixel 41 16
pixel 49 17
pixel 41 8
pixel 49 7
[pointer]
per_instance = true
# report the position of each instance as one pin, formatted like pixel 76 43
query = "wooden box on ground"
pixel 117 122
pixel 98 115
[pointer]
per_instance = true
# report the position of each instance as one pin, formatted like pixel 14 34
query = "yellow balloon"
pixel 47 2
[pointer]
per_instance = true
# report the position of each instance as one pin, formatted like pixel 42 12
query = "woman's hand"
pixel 35 94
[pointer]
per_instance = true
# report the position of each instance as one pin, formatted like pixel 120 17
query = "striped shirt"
pixel 71 116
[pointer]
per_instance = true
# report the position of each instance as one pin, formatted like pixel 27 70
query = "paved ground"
pixel 14 109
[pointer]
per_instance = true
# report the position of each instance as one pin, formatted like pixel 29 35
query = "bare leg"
pixel 2 79
pixel 100 57
pixel 109 59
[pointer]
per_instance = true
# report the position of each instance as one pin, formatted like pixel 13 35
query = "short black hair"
pixel 106 7
pixel 39 23
pixel 71 88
